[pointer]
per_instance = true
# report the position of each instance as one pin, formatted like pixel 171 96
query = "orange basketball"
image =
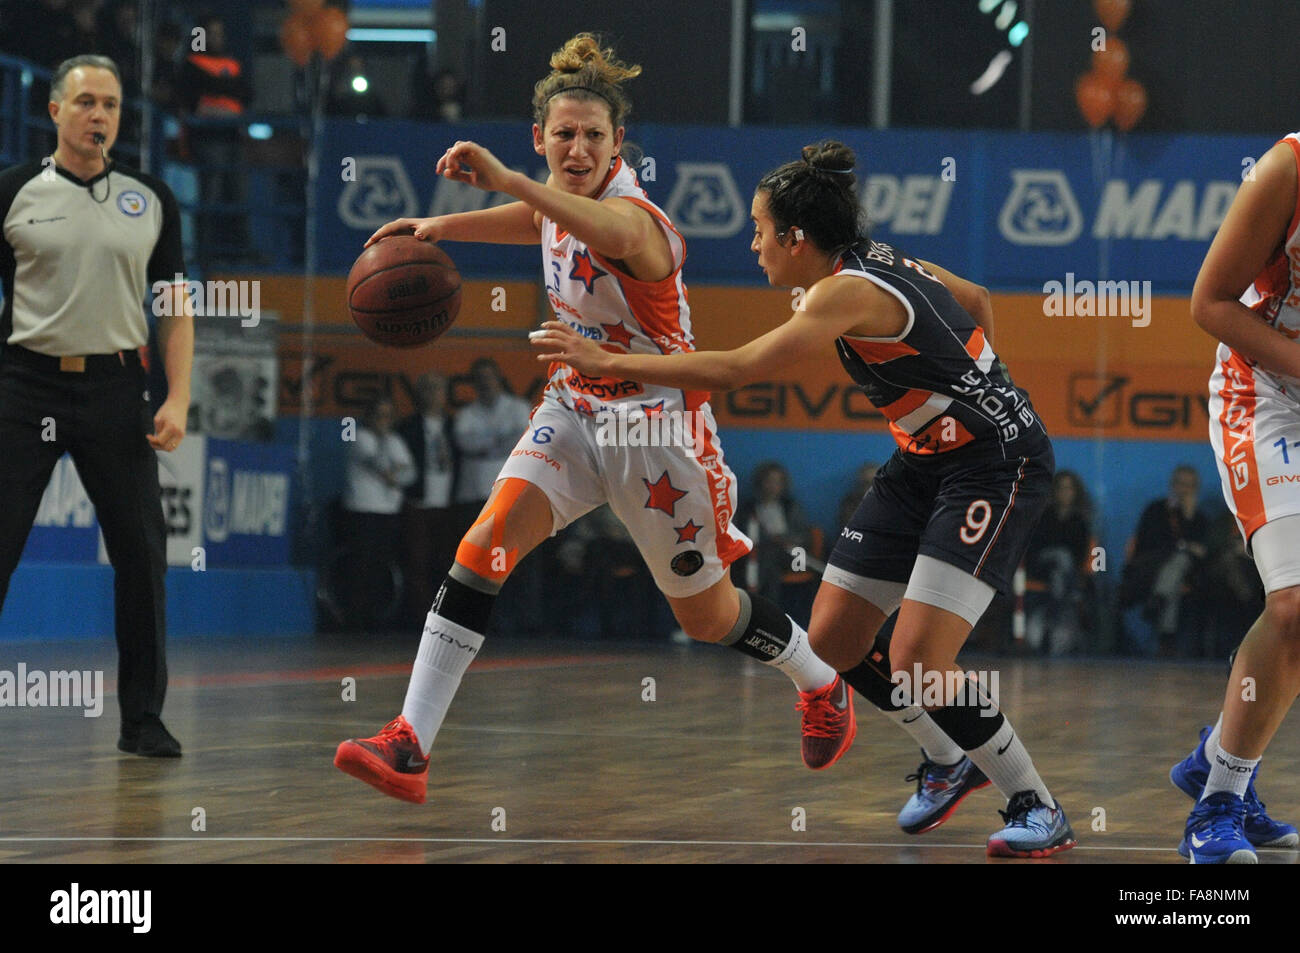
pixel 403 292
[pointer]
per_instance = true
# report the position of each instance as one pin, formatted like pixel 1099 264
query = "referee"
pixel 81 241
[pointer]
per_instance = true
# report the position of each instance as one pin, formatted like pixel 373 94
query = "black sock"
pixel 457 602
pixel 870 677
pixel 968 723
pixel 762 630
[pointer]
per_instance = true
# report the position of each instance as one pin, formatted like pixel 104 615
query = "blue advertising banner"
pixel 229 497
pixel 1009 210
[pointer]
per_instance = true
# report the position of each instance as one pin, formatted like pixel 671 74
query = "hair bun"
pixel 830 156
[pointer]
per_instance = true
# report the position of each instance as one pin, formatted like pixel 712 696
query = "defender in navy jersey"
pixel 947 518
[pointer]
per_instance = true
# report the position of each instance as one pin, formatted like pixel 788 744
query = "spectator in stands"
pixel 850 500
pixel 770 517
pixel 1057 564
pixel 1165 566
pixel 378 467
pixel 167 45
pixel 485 431
pixel 118 25
pixel 438 96
pixel 352 94
pixel 1234 596
pixel 428 533
pixel 214 88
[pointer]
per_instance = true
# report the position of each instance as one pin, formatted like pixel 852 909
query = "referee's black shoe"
pixel 149 739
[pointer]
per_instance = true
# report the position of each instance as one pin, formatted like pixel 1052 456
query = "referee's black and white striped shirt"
pixel 77 259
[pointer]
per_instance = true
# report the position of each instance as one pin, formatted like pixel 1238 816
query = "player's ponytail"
pixel 818 194
pixel 583 69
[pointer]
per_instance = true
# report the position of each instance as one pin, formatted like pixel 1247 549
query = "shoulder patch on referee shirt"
pixel 132 203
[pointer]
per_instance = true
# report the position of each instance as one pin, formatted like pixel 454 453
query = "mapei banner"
pixel 1010 210
pixel 229 499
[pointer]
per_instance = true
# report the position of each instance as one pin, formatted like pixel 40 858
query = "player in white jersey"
pixel 1248 296
pixel 613 265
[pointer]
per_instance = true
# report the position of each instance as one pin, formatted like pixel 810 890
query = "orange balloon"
pixel 305 6
pixel 329 27
pixel 296 38
pixel 1130 104
pixel 1113 60
pixel 1095 94
pixel 1112 13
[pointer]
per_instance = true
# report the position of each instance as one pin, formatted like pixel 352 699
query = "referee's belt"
pixel 94 364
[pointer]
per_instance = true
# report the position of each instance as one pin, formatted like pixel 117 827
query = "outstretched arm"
pixel 513 224
pixel 832 307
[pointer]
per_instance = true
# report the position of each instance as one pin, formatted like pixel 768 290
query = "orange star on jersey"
pixel 583 406
pixel 663 495
pixel 584 270
pixel 686 534
pixel 618 334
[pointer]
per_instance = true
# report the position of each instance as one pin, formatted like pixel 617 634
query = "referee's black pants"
pixel 100 417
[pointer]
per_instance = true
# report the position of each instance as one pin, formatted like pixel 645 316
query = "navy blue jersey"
pixel 938 382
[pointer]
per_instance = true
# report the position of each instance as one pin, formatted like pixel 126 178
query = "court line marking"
pixel 630 842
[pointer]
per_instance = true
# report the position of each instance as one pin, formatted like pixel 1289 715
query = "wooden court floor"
pixel 557 744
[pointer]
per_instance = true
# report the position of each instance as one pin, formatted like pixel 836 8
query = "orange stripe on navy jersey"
pixel 906 404
pixel 939 436
pixel 975 343
pixel 879 352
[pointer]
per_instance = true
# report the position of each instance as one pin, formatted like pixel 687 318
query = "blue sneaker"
pixel 1216 833
pixel 939 789
pixel 1033 829
pixel 1190 776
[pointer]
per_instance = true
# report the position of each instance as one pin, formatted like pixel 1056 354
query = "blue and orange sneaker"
pixel 829 726
pixel 1033 829
pixel 939 789
pixel 391 761
pixel 1215 832
pixel 1190 776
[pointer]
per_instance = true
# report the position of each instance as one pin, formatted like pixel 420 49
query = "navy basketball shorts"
pixel 976 515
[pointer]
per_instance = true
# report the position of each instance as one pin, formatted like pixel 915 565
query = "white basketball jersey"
pixel 600 301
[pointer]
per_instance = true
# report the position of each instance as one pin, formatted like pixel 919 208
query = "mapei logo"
pixel 1041 209
pixel 380 193
pixel 705 202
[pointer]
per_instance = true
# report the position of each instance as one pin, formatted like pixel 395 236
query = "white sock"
pixel 1212 742
pixel 800 662
pixel 934 741
pixel 1007 764
pixel 1228 773
pixel 446 649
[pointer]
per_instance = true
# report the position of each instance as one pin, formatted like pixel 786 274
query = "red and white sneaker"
pixel 828 723
pixel 390 761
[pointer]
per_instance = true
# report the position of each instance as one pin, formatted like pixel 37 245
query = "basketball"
pixel 403 292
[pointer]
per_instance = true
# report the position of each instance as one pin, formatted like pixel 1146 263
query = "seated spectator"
pixel 777 524
pixel 1057 564
pixel 1234 596
pixel 378 467
pixel 429 534
pixel 1165 569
